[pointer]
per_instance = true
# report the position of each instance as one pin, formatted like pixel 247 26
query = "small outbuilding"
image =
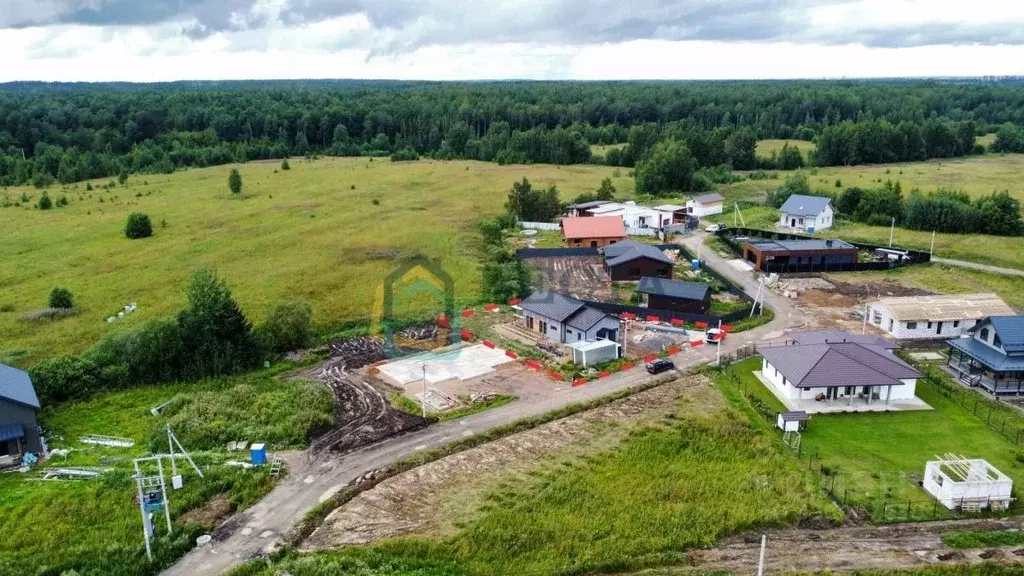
pixel 594 352
pixel 665 294
pixel 967 485
pixel 793 421
pixel 581 209
pixel 632 260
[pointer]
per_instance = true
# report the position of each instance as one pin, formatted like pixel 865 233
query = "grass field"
pixel 766 147
pixel 947 280
pixel 1005 251
pixel 670 485
pixel 602 149
pixel 976 175
pixel 880 456
pixel 93 526
pixel 312 232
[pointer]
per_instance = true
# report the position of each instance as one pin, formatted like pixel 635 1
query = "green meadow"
pixel 327 231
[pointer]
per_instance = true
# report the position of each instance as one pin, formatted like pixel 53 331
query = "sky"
pixel 163 40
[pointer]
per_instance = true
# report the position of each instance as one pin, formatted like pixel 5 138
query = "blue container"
pixel 695 264
pixel 810 229
pixel 259 454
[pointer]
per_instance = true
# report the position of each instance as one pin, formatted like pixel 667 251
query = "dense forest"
pixel 67 132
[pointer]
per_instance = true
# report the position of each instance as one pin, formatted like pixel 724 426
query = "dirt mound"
pixel 885 288
pixel 824 299
pixel 362 413
pixel 210 514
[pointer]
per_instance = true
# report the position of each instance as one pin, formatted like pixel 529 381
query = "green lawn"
pixel 879 457
pixel 93 526
pixel 766 147
pixel 312 232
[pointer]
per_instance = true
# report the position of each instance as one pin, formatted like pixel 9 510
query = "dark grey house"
pixel 632 260
pixel 19 432
pixel 665 294
pixel 565 319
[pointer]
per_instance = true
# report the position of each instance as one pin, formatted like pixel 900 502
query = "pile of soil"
pixel 209 515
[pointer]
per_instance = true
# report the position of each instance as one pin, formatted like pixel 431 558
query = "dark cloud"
pixel 398 26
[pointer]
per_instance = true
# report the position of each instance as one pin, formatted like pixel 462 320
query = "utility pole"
pixel 760 561
pixel 718 345
pixel 931 251
pixel 892 231
pixel 423 400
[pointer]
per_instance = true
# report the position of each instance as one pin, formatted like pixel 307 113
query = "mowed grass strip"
pixel 313 232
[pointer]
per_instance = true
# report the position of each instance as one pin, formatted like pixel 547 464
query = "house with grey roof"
pixel 19 431
pixel 705 205
pixel 632 260
pixel 831 376
pixel 567 320
pixel 808 213
pixel 991 355
pixel 664 294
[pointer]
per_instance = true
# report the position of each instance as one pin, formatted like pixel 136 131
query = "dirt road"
pixel 310 483
pixel 861 547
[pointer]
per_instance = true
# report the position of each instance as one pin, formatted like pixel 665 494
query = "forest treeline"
pixel 65 133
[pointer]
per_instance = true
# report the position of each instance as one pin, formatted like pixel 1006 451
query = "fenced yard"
pixel 871 464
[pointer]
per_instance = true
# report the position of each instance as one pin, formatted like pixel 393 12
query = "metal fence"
pixel 1002 419
pixel 728 237
pixel 633 231
pixel 557 252
pixel 881 505
pixel 541 225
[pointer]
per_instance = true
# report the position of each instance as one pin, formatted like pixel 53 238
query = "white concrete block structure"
pixel 934 317
pixel 968 485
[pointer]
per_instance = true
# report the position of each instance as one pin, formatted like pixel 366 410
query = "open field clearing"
pixel 669 485
pixel 944 280
pixel 95 525
pixel 878 458
pixel 1007 251
pixel 312 232
pixel 602 149
pixel 766 147
pixel 976 175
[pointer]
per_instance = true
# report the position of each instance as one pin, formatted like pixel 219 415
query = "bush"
pixel 405 155
pixel 44 202
pixel 288 327
pixel 285 165
pixel 138 226
pixel 64 378
pixel 61 298
pixel 235 181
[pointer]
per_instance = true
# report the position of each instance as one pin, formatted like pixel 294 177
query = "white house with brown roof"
pixel 934 317
pixel 829 375
pixel 705 205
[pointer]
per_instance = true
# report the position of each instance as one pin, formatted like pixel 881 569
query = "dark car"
pixel 659 366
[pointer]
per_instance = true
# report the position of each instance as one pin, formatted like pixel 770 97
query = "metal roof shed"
pixel 594 352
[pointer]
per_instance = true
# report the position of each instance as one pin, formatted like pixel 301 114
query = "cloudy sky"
pixel 154 40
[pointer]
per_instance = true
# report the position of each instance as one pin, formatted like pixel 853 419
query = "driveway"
pixel 313 481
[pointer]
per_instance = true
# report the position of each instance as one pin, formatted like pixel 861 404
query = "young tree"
pixel 284 165
pixel 61 298
pixel 213 329
pixel 138 226
pixel 606 191
pixel 122 178
pixel 44 202
pixel 235 181
pixel 287 327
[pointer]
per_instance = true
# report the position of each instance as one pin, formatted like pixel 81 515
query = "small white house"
pixel 821 377
pixel 705 205
pixel 791 421
pixel 633 216
pixel 808 213
pixel 934 317
pixel 968 485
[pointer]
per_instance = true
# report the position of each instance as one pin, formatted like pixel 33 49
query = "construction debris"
pixel 72 473
pixel 110 441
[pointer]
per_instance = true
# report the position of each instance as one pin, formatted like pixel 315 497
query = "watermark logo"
pixel 419 291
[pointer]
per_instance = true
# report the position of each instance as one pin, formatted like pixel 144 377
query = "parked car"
pixel 714 335
pixel 715 228
pixel 659 366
